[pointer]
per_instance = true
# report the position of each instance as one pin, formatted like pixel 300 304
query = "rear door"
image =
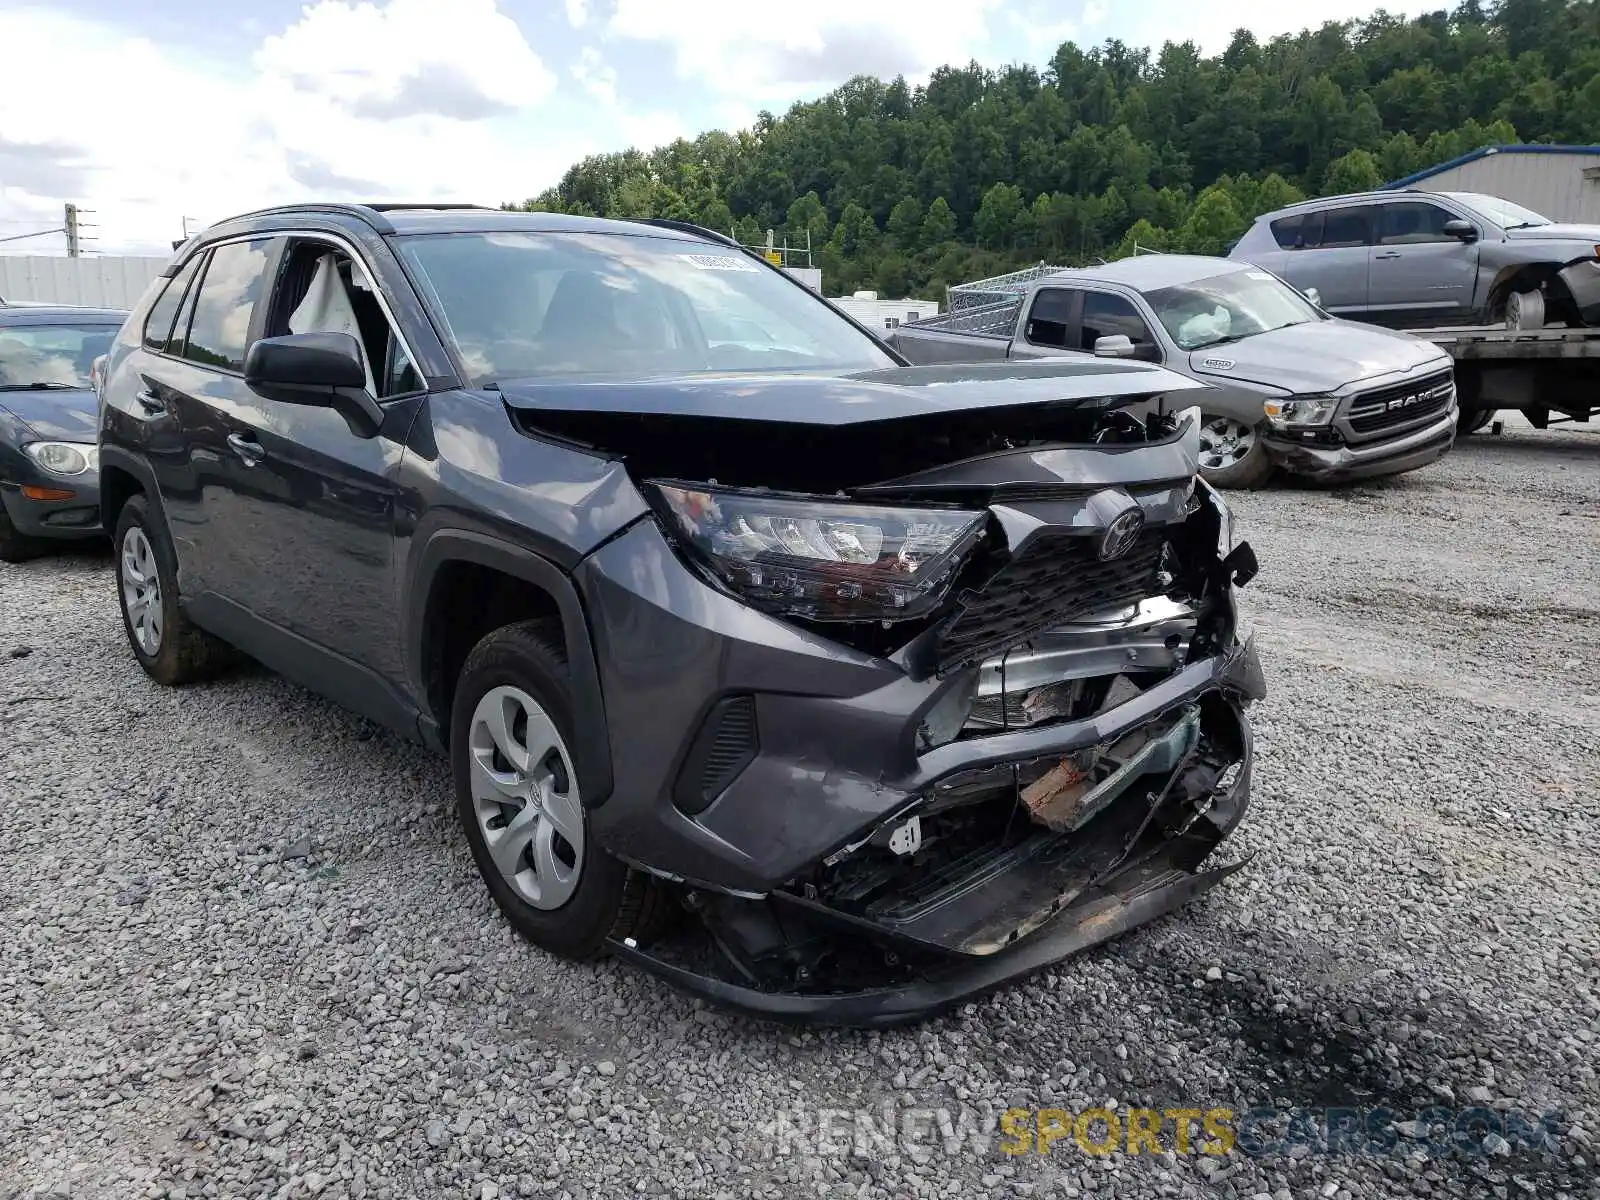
pixel 1049 328
pixel 1419 274
pixel 1330 255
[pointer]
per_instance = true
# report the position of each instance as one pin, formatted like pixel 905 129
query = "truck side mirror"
pixel 1115 345
pixel 1457 228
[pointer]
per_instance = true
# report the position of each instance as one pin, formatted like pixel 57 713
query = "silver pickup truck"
pixel 1291 386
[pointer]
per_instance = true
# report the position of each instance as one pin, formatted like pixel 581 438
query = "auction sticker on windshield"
pixel 719 262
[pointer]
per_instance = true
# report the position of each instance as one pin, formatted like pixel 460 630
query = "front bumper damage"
pixel 865 838
pixel 1582 281
pixel 1347 464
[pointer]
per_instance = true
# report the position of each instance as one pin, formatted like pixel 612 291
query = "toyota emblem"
pixel 1121 534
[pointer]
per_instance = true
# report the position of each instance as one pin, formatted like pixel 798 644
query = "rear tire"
pixel 520 800
pixel 16 547
pixel 172 649
pixel 1470 420
pixel 1232 454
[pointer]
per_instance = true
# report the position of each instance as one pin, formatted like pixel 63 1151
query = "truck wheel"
pixel 171 648
pixel 1470 420
pixel 520 799
pixel 1525 310
pixel 1232 454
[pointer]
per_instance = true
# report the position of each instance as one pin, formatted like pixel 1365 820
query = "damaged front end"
pixel 1039 747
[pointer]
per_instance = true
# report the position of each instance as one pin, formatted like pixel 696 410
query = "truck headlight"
pixel 818 559
pixel 1300 411
pixel 64 458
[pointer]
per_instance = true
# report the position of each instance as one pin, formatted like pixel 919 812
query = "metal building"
pixel 1560 182
pixel 98 281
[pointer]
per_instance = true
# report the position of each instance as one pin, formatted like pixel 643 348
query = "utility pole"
pixel 72 230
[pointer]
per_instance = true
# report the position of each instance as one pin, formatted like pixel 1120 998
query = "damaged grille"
pixel 1390 406
pixel 1055 578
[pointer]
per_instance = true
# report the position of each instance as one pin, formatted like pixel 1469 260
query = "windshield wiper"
pixel 1526 225
pixel 42 386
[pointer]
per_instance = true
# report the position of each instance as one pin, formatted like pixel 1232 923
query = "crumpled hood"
pixel 1316 357
pixel 886 394
pixel 55 415
pixel 1587 234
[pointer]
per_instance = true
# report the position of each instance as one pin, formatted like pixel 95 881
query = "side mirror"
pixel 1115 345
pixel 1314 296
pixel 305 368
pixel 324 370
pixel 1457 228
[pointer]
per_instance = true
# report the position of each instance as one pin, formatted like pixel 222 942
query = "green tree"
pixel 1353 172
pixel 996 222
pixel 1214 223
pixel 939 226
pixel 905 224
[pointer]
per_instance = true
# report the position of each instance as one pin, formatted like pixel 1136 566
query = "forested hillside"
pixel 907 190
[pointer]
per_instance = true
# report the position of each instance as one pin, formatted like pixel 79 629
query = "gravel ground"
pixel 245 952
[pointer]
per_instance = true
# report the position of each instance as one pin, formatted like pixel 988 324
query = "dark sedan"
pixel 49 464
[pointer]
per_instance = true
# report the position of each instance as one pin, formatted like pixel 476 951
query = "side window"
pixel 158 322
pixel 1050 317
pixel 219 331
pixel 1412 222
pixel 1105 315
pixel 1286 231
pixel 321 289
pixel 1344 227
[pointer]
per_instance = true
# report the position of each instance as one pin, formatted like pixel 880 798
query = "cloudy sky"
pixel 153 112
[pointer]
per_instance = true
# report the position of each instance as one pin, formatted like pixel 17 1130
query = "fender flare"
pixel 119 459
pixel 591 734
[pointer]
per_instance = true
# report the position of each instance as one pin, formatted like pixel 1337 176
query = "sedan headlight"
pixel 1300 411
pixel 818 559
pixel 64 458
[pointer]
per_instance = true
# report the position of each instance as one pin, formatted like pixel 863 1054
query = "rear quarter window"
pixel 1286 231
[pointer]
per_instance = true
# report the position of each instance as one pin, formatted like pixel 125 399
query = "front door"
pixel 1420 275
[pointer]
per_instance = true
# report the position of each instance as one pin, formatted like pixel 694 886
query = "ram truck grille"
pixel 1384 408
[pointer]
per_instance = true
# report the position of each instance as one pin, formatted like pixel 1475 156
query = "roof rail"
pixel 685 227
pixel 424 207
pixel 369 214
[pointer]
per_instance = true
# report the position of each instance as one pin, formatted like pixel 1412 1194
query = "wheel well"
pixel 117 487
pixel 466 602
pixel 1523 278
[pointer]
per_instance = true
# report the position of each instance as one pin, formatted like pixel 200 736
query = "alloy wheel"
pixel 525 797
pixel 1224 442
pixel 141 590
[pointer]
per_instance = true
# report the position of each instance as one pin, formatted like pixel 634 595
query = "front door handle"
pixel 150 402
pixel 249 450
pixel 1388 254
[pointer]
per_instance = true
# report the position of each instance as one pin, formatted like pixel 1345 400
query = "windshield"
pixel 539 304
pixel 1228 307
pixel 51 355
pixel 1502 212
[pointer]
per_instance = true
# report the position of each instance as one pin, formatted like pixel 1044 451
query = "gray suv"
pixel 1412 259
pixel 889 683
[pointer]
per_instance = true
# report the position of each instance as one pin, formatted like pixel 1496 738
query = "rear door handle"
pixel 1388 254
pixel 249 450
pixel 150 402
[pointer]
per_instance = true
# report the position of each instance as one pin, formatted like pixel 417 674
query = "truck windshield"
pixel 520 305
pixel 1225 308
pixel 1502 212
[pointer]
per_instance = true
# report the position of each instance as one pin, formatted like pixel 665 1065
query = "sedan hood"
pixel 1316 357
pixel 1557 233
pixel 889 394
pixel 55 415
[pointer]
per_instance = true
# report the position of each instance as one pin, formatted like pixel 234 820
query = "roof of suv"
pixel 461 218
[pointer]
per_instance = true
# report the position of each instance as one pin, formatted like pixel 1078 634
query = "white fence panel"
pixel 99 281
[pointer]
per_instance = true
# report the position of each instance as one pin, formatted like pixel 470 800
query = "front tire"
pixel 172 649
pixel 1470 420
pixel 520 800
pixel 1525 311
pixel 1232 454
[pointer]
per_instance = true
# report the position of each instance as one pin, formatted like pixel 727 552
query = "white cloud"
pixel 725 46
pixel 577 12
pixel 1094 12
pixel 412 100
pixel 595 76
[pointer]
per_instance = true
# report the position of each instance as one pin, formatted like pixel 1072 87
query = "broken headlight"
pixel 1299 412
pixel 818 559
